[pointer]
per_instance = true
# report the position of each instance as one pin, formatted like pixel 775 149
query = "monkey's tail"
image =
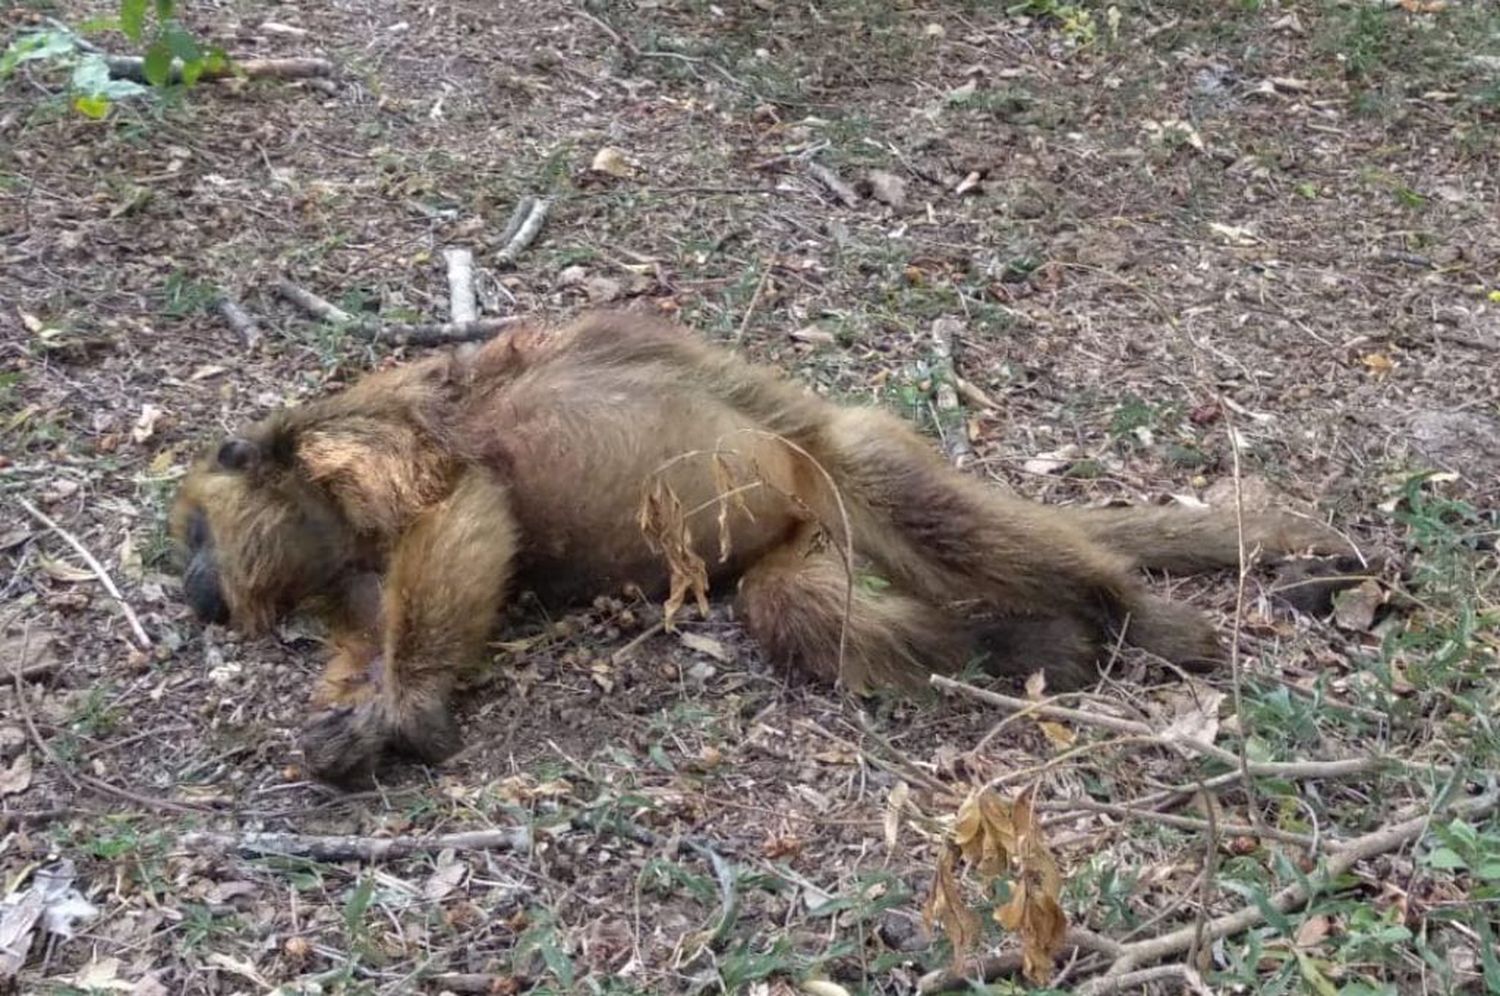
pixel 1177 538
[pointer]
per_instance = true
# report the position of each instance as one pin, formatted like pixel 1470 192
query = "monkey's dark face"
pixel 254 538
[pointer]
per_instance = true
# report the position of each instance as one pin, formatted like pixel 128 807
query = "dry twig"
pixel 239 320
pixel 536 216
pixel 396 333
pixel 353 848
pixel 128 67
pixel 945 391
pixel 142 640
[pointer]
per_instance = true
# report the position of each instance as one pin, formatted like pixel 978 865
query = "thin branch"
pixel 1263 769
pixel 396 333
pixel 240 321
pixel 1236 678
pixel 128 67
pixel 352 848
pixel 1173 820
pixel 311 303
pixel 142 640
pixel 1293 896
pixel 536 216
pixel 990 969
pixel 760 288
pixel 518 216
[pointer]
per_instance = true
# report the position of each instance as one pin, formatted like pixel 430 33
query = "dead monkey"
pixel 407 508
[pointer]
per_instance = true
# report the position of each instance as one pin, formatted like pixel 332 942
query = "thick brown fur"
pixel 407 508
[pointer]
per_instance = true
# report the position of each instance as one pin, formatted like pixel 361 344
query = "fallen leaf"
pixel 705 645
pixel 1059 735
pixel 610 161
pixel 664 523
pixel 602 290
pixel 60 570
pixel 17 778
pixel 1311 931
pixel 1378 364
pixel 1355 608
pixel 103 974
pixel 1195 714
pixel 449 876
pixel 822 987
pixel 145 423
pixel 813 334
pixel 130 559
pixel 1049 463
pixel 1235 235
pixel 946 908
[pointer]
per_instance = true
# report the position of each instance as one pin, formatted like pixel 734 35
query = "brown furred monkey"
pixel 409 506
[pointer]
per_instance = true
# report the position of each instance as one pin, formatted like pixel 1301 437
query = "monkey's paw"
pixel 343 746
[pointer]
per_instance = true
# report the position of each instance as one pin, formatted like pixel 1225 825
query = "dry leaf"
pixel 666 529
pixel 610 161
pixel 1036 685
pixel 1195 714
pixel 448 877
pixel 130 559
pixel 61 570
pixel 813 334
pixel 145 423
pixel 985 834
pixel 1048 463
pixel 1035 909
pixel 1310 932
pixel 602 290
pixel 1235 235
pixel 946 908
pixel 705 645
pixel 17 778
pixel 1059 735
pixel 822 987
pixel 1378 364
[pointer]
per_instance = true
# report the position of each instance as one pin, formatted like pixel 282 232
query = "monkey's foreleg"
pixel 442 591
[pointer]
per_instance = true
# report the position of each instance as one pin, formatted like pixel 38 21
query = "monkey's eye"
pixel 197 530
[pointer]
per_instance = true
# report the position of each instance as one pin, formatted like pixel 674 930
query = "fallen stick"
pixel 240 321
pixel 351 848
pixel 462 307
pixel 142 640
pixel 312 303
pixel 518 216
pixel 129 67
pixel 1262 769
pixel 830 179
pixel 526 234
pixel 1382 841
pixel 989 969
pixel 945 391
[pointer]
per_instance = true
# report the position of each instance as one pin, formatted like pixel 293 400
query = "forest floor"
pixel 1196 249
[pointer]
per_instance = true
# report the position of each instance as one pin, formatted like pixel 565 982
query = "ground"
pixel 1196 250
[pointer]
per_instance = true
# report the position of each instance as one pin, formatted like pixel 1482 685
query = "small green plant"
pixel 170 50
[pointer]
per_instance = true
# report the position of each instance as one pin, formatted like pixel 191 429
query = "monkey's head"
pixel 254 534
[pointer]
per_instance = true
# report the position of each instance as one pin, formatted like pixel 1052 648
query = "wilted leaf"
pixel 705 645
pixel 17 778
pixel 946 908
pixel 985 833
pixel 1059 735
pixel 60 570
pixel 1035 908
pixel 666 530
pixel 145 423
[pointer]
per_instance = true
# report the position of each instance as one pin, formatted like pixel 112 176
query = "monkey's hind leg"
pixel 793 603
pixel 442 592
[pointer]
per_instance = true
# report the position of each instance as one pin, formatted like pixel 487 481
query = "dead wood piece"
pixel 240 321
pixel 518 216
pixel 142 640
pixel 129 67
pixel 836 186
pixel 526 234
pixel 312 303
pixel 462 306
pixel 351 848
pixel 950 410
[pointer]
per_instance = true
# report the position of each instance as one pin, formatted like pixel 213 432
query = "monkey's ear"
pixel 238 454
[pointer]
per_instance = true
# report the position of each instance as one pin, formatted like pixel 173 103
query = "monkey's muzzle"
pixel 200 585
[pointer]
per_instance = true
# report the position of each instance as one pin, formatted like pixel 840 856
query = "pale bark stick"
pixel 312 303
pixel 536 216
pixel 352 848
pixel 129 67
pixel 462 306
pixel 240 321
pixel 142 640
pixel 836 186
